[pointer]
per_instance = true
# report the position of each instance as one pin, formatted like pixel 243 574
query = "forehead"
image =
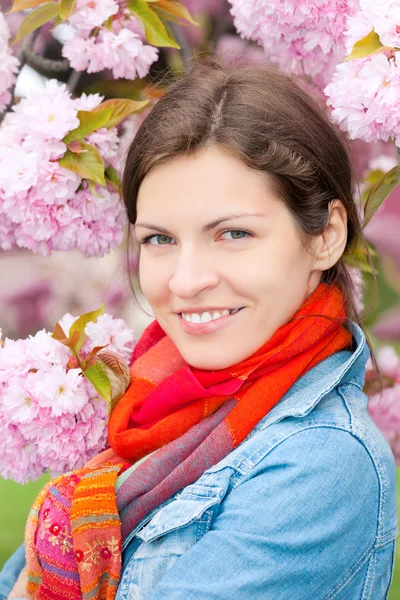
pixel 207 179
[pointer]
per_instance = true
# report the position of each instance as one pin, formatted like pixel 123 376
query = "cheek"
pixel 153 279
pixel 282 270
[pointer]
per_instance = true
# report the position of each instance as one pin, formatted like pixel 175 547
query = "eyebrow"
pixel 206 227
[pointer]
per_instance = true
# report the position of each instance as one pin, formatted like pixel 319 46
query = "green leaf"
pixel 120 109
pixel 358 258
pixel 24 4
pixel 90 121
pixel 80 324
pixel 108 23
pixel 173 10
pixel 155 32
pixel 97 377
pixel 112 177
pixel 88 164
pixel 383 298
pixel 370 44
pixel 66 8
pixel 36 19
pixel 379 193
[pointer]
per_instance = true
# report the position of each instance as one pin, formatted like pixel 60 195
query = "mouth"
pixel 208 315
pixel 205 322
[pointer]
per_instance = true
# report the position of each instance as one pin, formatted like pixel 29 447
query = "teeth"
pixel 206 317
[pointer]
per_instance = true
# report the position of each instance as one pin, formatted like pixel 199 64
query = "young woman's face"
pixel 219 241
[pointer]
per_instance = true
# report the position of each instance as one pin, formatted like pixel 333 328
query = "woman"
pixel 243 461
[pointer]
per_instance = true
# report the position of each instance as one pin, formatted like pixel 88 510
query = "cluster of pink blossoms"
pixel 118 46
pixel 43 206
pixel 51 416
pixel 303 37
pixel 385 408
pixel 364 92
pixel 8 65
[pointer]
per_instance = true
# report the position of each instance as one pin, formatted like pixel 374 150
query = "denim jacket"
pixel 305 507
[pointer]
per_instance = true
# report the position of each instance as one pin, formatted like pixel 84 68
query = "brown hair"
pixel 266 119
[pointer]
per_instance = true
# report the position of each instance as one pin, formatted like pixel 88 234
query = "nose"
pixel 193 273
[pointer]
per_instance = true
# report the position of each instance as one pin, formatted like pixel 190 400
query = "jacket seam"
pixel 391 570
pixel 353 382
pixel 387 538
pixel 353 572
pixel 340 391
pixel 370 576
pixel 383 483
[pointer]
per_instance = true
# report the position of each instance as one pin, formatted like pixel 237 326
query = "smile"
pixel 207 322
pixel 208 316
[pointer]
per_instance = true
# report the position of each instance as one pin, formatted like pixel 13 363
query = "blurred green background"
pixel 16 501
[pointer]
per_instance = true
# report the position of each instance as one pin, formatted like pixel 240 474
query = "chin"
pixel 208 364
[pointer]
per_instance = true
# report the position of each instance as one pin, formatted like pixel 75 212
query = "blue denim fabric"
pixel 10 572
pixel 305 507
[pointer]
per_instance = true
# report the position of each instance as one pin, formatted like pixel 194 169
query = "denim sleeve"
pixel 11 570
pixel 292 529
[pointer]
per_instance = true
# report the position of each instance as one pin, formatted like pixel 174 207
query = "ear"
pixel 329 246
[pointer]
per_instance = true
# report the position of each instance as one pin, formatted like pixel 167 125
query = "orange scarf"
pixel 167 397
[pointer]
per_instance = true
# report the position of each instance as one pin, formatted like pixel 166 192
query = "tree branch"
pixel 40 63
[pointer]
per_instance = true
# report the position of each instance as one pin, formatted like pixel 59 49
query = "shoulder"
pixel 320 461
pixel 334 458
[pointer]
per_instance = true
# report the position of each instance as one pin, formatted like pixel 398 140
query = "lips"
pixel 210 327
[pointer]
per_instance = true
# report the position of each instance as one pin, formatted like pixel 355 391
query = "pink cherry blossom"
pixel 121 51
pixel 384 407
pixel 89 14
pixel 17 403
pixel 79 52
pixel 107 141
pixel 40 206
pixel 363 95
pixel 52 104
pixel 87 101
pixel 51 416
pixel 363 92
pixel 111 332
pixel 9 64
pixel 382 16
pixel 61 391
pixel 302 37
pixel 18 170
pixel 385 412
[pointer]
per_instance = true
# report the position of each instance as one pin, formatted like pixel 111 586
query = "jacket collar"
pixel 344 366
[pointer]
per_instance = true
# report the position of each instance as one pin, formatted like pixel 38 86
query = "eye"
pixel 237 234
pixel 162 240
